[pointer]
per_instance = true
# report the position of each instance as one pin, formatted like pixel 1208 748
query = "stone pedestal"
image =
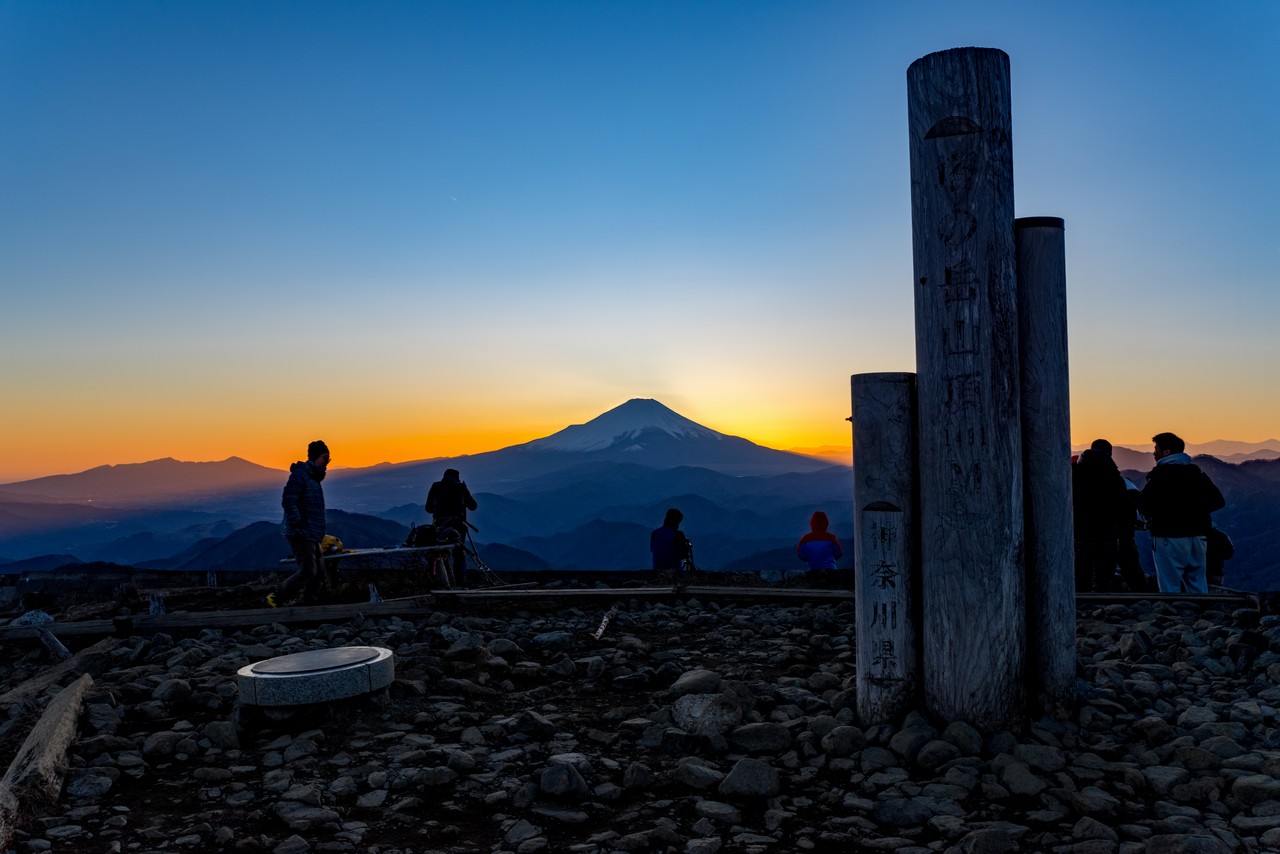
pixel 318 676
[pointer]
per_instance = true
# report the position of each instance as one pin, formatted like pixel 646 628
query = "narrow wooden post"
pixel 974 623
pixel 886 560
pixel 1046 461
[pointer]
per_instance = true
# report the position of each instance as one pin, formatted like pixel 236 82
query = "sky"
pixel 435 228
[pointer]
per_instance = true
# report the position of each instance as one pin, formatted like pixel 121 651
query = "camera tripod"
pixel 469 551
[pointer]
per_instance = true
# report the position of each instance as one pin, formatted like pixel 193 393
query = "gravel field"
pixel 690 727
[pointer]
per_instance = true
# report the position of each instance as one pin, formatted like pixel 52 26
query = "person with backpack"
pixel 303 525
pixel 448 501
pixel 1178 501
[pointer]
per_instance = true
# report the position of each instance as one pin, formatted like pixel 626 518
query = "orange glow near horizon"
pixel 370 435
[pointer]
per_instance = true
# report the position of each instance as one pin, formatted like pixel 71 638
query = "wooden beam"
pixel 421 606
pixel 94 659
pixel 413 606
pixel 35 775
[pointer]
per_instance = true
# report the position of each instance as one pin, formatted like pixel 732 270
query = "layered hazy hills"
pixel 636 455
pixel 584 497
pixel 1223 449
pixel 150 484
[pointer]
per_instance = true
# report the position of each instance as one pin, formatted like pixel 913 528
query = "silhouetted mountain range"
pixel 260 545
pixel 584 498
pixel 1228 451
pixel 153 484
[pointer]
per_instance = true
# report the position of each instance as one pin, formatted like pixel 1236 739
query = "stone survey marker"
pixel 316 676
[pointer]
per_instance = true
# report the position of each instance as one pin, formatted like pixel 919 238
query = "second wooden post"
pixel 886 564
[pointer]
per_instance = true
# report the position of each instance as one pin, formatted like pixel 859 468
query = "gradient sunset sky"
pixel 426 229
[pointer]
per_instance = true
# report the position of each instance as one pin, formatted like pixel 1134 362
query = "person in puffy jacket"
pixel 819 548
pixel 303 525
pixel 1178 500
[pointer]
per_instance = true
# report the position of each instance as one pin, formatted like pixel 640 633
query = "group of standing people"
pixel 303 527
pixel 1175 506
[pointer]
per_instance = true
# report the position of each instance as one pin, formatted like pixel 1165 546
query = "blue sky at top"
pixel 214 215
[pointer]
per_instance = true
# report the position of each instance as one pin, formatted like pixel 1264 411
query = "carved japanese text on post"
pixel 887 635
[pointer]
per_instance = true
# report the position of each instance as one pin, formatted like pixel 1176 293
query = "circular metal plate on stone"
pixel 316 660
pixel 316 676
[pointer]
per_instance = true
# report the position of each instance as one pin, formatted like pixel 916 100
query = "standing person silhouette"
pixel 448 501
pixel 1178 501
pixel 1100 509
pixel 303 526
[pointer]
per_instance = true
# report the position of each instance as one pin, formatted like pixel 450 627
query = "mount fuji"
pixel 627 427
pixel 639 432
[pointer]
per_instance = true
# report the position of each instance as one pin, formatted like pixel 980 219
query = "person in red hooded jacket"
pixel 819 548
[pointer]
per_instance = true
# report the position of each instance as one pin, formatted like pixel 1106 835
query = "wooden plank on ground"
pixel 78 628
pixel 35 775
pixel 91 660
pixel 765 594
pixel 1238 600
pixel 421 606
pixel 189 620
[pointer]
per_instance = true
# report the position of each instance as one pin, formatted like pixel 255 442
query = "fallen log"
pixel 89 660
pixel 35 776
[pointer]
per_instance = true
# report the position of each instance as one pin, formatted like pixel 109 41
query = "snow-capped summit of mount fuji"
pixel 623 425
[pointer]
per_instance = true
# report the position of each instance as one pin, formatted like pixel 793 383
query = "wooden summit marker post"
pixel 886 563
pixel 971 497
pixel 1046 454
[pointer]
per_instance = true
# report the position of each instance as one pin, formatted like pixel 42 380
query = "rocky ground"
pixel 696 727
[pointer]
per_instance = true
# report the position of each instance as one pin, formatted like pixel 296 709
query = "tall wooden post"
pixel 1046 461
pixel 972 568
pixel 886 562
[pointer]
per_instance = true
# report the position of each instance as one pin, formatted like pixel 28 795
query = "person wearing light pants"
pixel 1178 502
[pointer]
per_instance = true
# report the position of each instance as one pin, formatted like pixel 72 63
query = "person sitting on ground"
pixel 668 544
pixel 303 526
pixel 448 501
pixel 819 548
pixel 1099 508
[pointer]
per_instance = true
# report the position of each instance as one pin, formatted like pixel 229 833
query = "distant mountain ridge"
pixel 1224 449
pixel 635 454
pixel 156 482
